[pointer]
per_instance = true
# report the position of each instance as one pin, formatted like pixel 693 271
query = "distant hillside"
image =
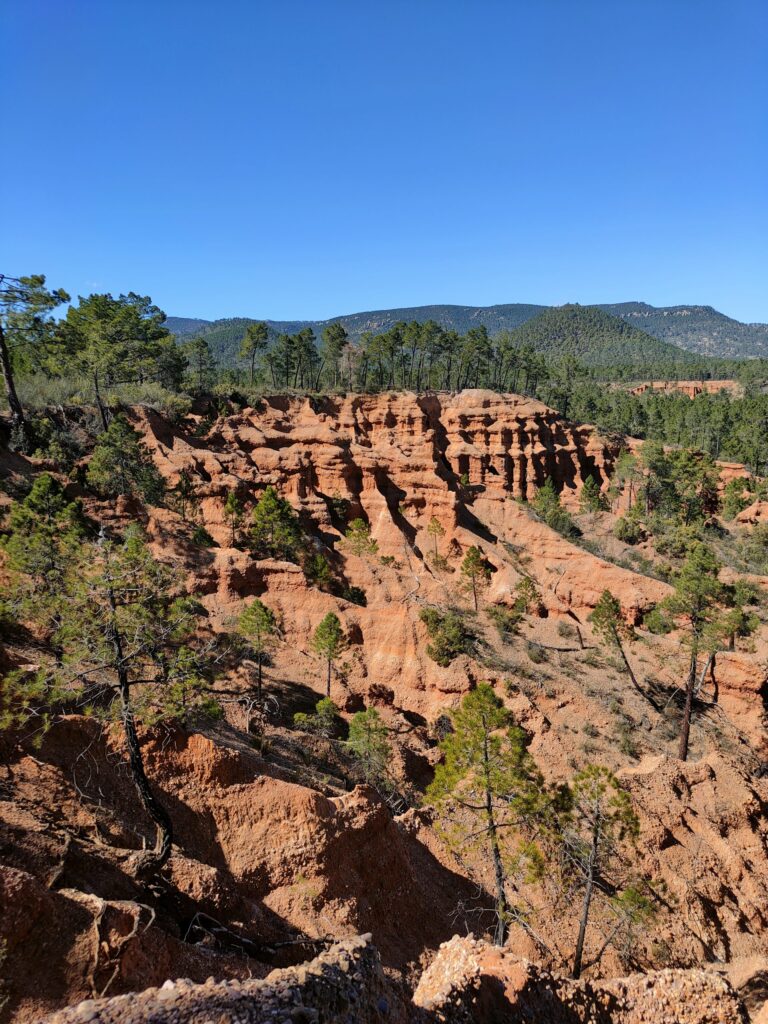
pixel 224 336
pixel 595 338
pixel 698 329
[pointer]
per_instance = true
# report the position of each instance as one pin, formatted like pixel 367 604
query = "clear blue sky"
pixel 304 159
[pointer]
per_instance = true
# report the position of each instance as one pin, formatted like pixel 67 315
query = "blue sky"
pixel 304 159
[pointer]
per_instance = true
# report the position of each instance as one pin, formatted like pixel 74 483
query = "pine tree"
pixel 275 529
pixel 129 650
pixel 697 596
pixel 358 539
pixel 735 498
pixel 627 472
pixel 591 498
pixel 202 365
pixel 334 339
pixel 318 570
pixel 233 514
pixel 600 820
pixel 489 777
pixel 259 626
pixel 254 343
pixel 369 745
pixel 115 341
pixel 435 529
pixel 129 635
pixel 527 596
pixel 476 572
pixel 658 489
pixel 44 534
pixel 609 623
pixel 25 332
pixel 329 641
pixel 121 464
pixel 184 495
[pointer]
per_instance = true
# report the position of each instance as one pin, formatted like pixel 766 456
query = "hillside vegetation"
pixel 595 338
pixel 699 329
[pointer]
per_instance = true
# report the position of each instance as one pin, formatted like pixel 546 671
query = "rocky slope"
pixel 276 851
pixel 469 982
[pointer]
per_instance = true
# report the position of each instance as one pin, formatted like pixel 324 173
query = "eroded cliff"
pixel 276 850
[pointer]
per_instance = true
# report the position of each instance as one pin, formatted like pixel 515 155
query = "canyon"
pixel 281 860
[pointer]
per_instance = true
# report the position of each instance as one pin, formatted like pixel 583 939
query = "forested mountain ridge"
pixel 584 332
pixel 699 329
pixel 594 337
pixel 222 333
pixel 451 317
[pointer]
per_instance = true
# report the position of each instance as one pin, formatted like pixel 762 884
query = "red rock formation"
pixel 269 847
pixel 471 981
pixel 755 513
pixel 691 388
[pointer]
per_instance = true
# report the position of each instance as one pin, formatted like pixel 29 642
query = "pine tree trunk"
pixel 587 901
pixel 99 402
pixel 158 814
pixel 628 667
pixel 685 729
pixel 328 680
pixel 502 907
pixel 17 410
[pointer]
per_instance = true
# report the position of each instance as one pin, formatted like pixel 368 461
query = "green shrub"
pixel 537 654
pixel 546 503
pixel 358 539
pixel 174 407
pixel 317 570
pixel 676 542
pixel 735 498
pixel 201 538
pixel 592 658
pixel 627 531
pixel 505 619
pixel 657 622
pixel 323 722
pixel 625 738
pixel 448 634
pixel 527 596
